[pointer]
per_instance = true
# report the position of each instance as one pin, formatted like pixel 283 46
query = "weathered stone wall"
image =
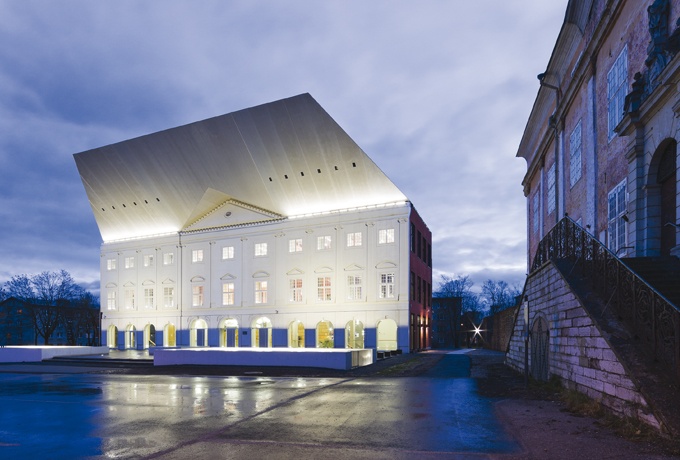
pixel 579 354
pixel 499 329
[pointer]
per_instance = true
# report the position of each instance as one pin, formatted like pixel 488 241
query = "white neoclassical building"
pixel 266 227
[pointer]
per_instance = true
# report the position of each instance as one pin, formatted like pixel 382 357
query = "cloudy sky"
pixel 436 92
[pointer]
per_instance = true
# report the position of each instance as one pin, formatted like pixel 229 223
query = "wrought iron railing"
pixel 645 312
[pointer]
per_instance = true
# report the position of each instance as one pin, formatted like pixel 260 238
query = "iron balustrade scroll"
pixel 645 312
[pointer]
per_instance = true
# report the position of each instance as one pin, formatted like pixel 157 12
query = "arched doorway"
pixel 325 337
pixel 149 336
pixel 354 334
pixel 296 335
pixel 540 341
pixel 130 342
pixel 261 331
pixel 198 333
pixel 169 335
pixel 667 181
pixel 387 334
pixel 229 333
pixel 112 337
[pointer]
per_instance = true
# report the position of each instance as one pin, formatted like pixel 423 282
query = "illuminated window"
pixel 227 252
pixel 260 249
pixel 295 245
pixel 353 239
pixel 111 300
pixel 323 289
pixel 111 264
pixel 130 299
pixel 260 292
pixel 387 286
pixel 227 293
pixel 169 297
pixel 323 242
pixel 148 260
pixel 386 236
pixel 168 258
pixel 296 290
pixel 354 287
pixel 148 297
pixel 197 256
pixel 197 296
pixel 129 262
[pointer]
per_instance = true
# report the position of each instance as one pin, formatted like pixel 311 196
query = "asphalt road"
pixel 426 407
pixel 158 416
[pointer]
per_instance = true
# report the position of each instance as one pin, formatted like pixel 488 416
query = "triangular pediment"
pixel 324 269
pixel 217 209
pixel 260 274
pixel 227 277
pixel 295 271
pixel 129 284
pixel 168 281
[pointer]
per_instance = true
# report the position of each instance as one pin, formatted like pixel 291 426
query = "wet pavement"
pixel 48 411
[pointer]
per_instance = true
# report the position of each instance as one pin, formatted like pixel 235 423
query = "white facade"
pixel 263 227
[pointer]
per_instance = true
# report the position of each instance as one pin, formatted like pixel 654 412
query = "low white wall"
pixel 22 354
pixel 289 357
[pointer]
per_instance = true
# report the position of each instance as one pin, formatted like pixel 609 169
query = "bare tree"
pixel 461 286
pixel 499 295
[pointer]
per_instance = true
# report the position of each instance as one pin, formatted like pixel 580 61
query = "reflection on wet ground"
pixel 123 416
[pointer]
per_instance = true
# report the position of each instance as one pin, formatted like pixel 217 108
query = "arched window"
pixel 261 330
pixel 198 333
pixel 130 341
pixel 354 334
pixel 387 334
pixel 169 335
pixel 324 335
pixel 229 333
pixel 112 337
pixel 296 335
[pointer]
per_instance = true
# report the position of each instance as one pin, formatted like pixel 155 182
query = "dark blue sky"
pixel 436 92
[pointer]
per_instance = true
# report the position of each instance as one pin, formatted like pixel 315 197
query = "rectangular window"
pixel 148 297
pixel 323 242
pixel 387 286
pixel 617 87
pixel 130 299
pixel 419 288
pixel 353 239
pixel 354 287
pixel 111 264
pixel 227 252
pixel 295 245
pixel 413 237
pixel 575 154
pixel 129 262
pixel 616 200
pixel 535 211
pixel 169 297
pixel 111 300
pixel 197 256
pixel 385 236
pixel 168 258
pixel 551 189
pixel 260 292
pixel 260 249
pixel 148 260
pixel 197 296
pixel 295 290
pixel 227 293
pixel 323 285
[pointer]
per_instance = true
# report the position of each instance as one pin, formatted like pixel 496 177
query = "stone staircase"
pixel 662 273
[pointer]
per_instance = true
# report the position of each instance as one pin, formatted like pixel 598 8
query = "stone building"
pixel 266 227
pixel 601 186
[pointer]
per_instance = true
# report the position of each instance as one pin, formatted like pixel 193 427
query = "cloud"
pixel 437 93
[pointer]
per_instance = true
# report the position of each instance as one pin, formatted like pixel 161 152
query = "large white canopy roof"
pixel 281 159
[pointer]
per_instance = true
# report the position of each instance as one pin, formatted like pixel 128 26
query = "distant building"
pixel 266 227
pixel 446 325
